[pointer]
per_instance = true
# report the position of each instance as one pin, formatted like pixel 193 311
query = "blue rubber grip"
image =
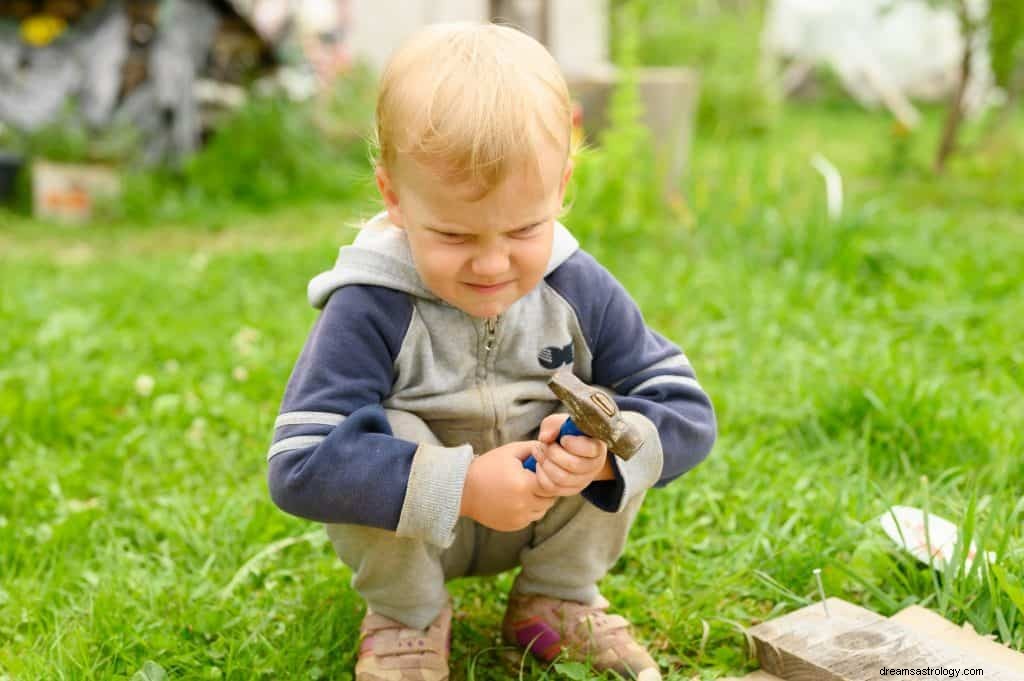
pixel 568 428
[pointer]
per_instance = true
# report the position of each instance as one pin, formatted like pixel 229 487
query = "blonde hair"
pixel 473 101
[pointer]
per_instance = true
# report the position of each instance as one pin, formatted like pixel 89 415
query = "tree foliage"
pixel 1006 39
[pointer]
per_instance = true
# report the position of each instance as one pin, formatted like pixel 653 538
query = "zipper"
pixel 491 329
pixel 487 397
pixel 491 326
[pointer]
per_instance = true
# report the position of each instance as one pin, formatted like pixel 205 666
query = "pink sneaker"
pixel 549 627
pixel 391 651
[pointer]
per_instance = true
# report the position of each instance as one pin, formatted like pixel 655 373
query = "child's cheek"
pixel 447 265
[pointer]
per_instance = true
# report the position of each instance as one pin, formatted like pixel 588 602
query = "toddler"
pixel 422 387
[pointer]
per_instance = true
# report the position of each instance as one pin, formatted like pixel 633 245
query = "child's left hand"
pixel 567 468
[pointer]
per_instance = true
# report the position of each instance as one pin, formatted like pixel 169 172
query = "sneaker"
pixel 391 651
pixel 549 627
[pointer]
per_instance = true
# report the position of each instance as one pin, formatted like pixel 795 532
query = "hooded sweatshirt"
pixel 385 342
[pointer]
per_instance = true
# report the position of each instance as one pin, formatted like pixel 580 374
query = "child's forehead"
pixel 510 205
pixel 528 193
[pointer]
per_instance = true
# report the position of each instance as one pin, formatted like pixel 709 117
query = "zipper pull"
pixel 491 327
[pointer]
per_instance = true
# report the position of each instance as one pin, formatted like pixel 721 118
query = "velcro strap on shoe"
pixel 387 643
pixel 600 624
pixel 373 623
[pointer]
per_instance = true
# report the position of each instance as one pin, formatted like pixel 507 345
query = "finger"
pixel 569 462
pixel 563 491
pixel 543 504
pixel 546 486
pixel 530 448
pixel 551 474
pixel 587 447
pixel 550 426
pixel 565 484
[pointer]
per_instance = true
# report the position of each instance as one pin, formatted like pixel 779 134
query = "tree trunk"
pixel 956 105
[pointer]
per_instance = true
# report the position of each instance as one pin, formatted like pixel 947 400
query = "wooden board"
pixel 934 626
pixel 854 644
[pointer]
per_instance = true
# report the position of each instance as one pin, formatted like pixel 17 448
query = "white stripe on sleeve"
pixel 290 443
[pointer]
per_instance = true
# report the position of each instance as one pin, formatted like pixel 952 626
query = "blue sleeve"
pixel 649 375
pixel 333 457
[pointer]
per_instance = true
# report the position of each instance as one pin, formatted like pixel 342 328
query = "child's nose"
pixel 490 263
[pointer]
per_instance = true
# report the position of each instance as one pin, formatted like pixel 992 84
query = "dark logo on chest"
pixel 553 357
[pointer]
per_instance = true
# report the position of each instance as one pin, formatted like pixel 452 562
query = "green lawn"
pixel 874 360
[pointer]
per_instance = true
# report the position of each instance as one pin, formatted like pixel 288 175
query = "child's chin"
pixel 485 310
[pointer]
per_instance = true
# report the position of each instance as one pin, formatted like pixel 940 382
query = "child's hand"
pixel 567 470
pixel 502 495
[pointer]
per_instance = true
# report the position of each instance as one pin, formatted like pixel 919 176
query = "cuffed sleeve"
pixel 633 476
pixel 434 493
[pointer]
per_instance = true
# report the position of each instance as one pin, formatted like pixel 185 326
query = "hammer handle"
pixel 568 428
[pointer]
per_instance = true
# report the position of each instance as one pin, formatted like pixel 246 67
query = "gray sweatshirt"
pixel 384 341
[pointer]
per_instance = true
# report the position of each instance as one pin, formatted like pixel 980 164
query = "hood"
pixel 380 256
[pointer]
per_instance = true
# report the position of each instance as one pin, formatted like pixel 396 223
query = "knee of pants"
pixel 372 549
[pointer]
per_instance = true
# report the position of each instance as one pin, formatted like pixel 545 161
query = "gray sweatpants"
pixel 562 555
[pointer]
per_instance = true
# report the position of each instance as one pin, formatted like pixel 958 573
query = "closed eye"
pixel 528 231
pixel 450 237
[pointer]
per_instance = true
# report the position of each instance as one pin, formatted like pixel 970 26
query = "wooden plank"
pixel 854 644
pixel 934 626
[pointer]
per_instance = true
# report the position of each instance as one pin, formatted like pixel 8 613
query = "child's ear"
pixel 390 196
pixel 565 181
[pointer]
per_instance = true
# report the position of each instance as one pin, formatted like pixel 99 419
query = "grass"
pixel 854 364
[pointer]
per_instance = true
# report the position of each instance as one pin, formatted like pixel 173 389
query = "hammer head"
pixel 596 414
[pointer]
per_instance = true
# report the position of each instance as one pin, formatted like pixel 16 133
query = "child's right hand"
pixel 502 495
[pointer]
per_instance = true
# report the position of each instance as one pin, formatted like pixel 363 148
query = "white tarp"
pixel 883 51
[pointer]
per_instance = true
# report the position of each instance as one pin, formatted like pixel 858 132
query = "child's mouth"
pixel 493 288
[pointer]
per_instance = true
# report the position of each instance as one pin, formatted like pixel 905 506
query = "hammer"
pixel 594 414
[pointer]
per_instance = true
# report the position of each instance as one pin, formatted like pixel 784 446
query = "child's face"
pixel 479 256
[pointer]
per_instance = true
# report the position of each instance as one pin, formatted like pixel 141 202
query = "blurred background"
pixel 154 109
pixel 821 201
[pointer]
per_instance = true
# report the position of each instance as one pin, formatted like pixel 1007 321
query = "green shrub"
pixel 272 152
pixel 617 185
pixel 721 41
